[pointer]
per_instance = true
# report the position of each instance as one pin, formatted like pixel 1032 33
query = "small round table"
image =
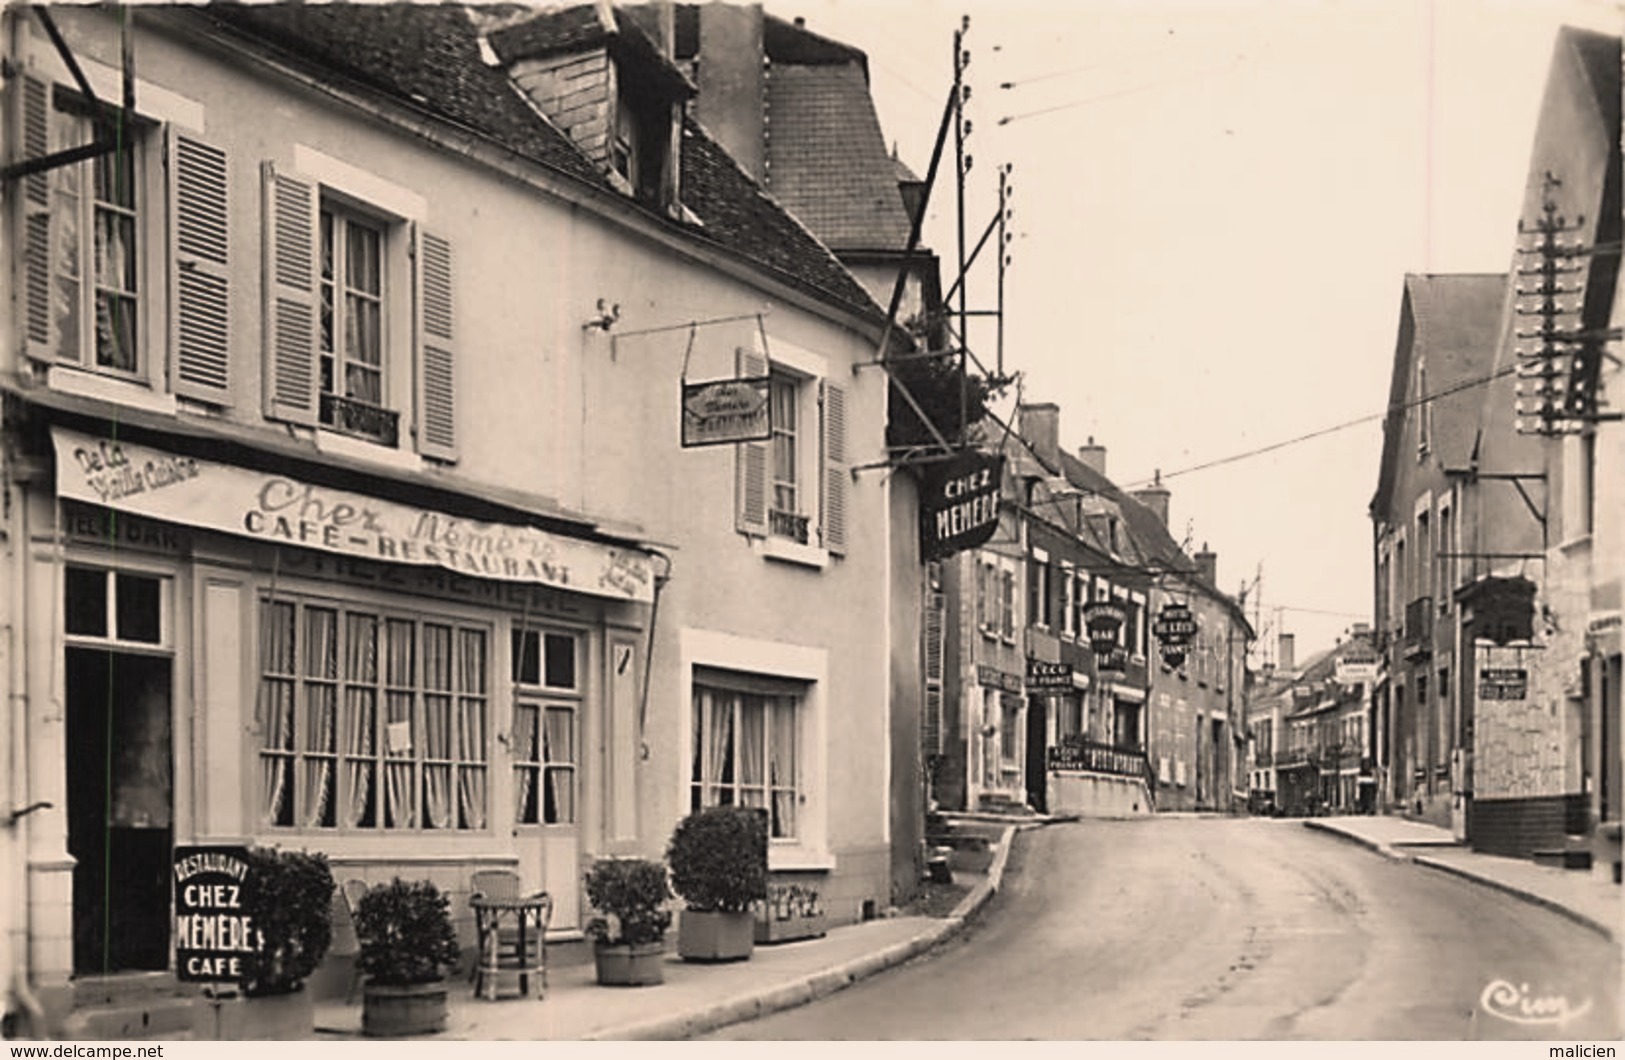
pixel 525 915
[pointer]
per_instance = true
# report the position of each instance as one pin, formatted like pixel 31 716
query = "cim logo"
pixel 1515 1004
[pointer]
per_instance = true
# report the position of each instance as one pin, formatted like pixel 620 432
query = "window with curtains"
pixel 97 227
pixel 370 720
pixel 546 675
pixel 746 753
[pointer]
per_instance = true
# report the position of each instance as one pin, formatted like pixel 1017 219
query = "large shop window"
pixel 547 705
pixel 746 747
pixel 371 721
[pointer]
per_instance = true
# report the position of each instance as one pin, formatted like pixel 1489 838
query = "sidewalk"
pixel 1582 896
pixel 695 998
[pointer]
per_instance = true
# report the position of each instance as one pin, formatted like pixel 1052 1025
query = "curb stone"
pixel 1466 874
pixel 819 984
pixel 1506 888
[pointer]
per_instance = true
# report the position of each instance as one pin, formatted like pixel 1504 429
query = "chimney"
pixel 1039 425
pixel 1285 652
pixel 732 98
pixel 1093 456
pixel 1207 566
pixel 1155 497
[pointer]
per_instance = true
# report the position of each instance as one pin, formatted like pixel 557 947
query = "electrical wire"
pixel 1310 436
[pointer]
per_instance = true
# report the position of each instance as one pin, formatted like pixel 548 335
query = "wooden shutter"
pixel 750 487
pixel 935 630
pixel 200 323
pixel 34 113
pixel 837 483
pixel 291 272
pixel 437 363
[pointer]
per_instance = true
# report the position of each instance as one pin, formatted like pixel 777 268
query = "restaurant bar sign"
pixel 212 932
pixel 959 503
pixel 725 411
pixel 280 510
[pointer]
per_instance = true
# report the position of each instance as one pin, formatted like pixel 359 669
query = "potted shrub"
pixel 628 938
pixel 288 898
pixel 406 940
pixel 718 859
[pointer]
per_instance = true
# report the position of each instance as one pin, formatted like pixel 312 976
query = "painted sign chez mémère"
pixel 282 510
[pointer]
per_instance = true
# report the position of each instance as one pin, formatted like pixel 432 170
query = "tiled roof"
pixel 826 159
pixel 553 31
pixel 428 57
pixel 1453 321
pixel 736 213
pixel 786 42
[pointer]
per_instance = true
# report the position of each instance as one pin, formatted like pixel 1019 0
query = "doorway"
pixel 1037 748
pixel 120 783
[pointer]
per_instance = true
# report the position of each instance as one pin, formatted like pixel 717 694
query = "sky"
pixel 1214 207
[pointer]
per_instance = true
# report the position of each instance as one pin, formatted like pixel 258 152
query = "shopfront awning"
pixel 282 510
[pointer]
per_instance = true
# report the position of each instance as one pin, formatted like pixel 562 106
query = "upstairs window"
pixel 360 321
pixel 794 486
pixel 124 260
pixel 351 343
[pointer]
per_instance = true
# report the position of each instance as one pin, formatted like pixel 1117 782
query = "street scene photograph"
pixel 812 520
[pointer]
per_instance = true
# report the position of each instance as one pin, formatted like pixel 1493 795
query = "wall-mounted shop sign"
pixel 280 510
pixel 988 677
pixel 725 411
pixel 1503 682
pixel 1356 669
pixel 1173 658
pixel 1045 676
pixel 959 503
pixel 1175 626
pixel 1104 621
pixel 211 930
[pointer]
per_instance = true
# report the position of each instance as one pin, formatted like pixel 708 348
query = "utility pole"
pixel 962 165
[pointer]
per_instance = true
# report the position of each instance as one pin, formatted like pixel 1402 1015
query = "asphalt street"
pixel 1190 928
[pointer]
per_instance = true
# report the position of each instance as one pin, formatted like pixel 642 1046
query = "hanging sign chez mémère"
pixel 959 503
pixel 281 510
pixel 725 411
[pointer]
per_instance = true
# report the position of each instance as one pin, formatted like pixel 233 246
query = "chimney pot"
pixel 1093 456
pixel 1039 425
pixel 1155 497
pixel 1285 651
pixel 1207 566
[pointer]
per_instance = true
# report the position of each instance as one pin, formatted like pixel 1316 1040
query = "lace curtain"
pixel 471 727
pixel 276 710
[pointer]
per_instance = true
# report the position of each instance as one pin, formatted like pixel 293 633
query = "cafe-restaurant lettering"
pixel 959 503
pixel 283 510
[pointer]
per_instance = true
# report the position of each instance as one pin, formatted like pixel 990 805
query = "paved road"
pixel 1187 928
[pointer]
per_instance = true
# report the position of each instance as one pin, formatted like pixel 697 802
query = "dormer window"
pixel 641 140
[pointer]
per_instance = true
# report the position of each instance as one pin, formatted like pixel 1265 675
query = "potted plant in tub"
pixel 287 897
pixel 628 938
pixel 718 859
pixel 406 940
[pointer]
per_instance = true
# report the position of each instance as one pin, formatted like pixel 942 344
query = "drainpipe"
pixel 14 889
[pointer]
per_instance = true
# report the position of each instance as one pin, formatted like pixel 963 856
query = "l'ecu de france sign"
pixel 211 930
pixel 959 503
pixel 725 411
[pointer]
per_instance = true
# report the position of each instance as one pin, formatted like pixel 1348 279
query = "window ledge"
pixel 799 859
pixel 132 392
pixel 787 551
pixel 343 445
